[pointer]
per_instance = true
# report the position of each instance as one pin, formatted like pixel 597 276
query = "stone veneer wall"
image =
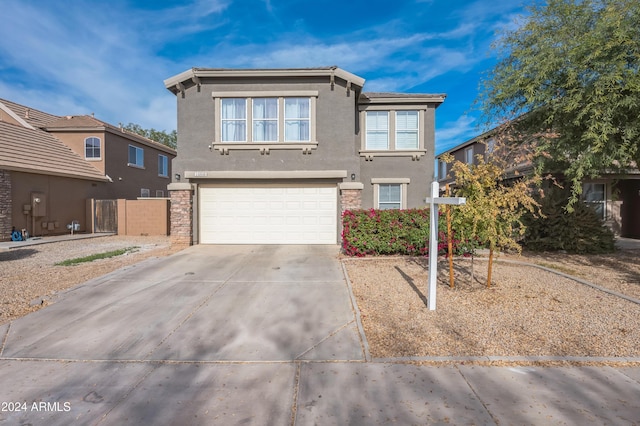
pixel 5 205
pixel 350 197
pixel 181 214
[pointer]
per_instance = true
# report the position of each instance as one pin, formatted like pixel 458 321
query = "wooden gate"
pixel 105 216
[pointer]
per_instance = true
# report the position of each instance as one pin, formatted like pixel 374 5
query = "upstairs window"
pixel 163 165
pixel 297 119
pixel 406 129
pixel 265 119
pixel 234 120
pixel 136 156
pixel 443 169
pixel 468 155
pixel 377 123
pixel 92 148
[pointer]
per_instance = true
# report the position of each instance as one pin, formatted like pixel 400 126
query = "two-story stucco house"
pixel 274 156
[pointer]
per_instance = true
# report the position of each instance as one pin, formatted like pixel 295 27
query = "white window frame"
pixel 163 165
pixel 236 121
pixel 265 120
pixel 139 155
pixel 403 182
pixel 414 131
pixel 252 142
pixel 392 150
pixel 600 205
pixel 145 193
pixel 301 121
pixel 93 148
pixel 159 193
pixel 378 130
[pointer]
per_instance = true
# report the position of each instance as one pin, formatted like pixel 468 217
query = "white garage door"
pixel 268 215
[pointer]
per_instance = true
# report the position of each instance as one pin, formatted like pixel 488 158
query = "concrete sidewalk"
pixel 262 335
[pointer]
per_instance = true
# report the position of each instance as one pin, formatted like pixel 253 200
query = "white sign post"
pixel 433 201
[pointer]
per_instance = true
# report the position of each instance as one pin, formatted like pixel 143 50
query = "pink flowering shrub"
pixel 379 232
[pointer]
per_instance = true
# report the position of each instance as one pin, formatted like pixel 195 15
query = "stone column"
pixel 351 195
pixel 181 213
pixel 6 205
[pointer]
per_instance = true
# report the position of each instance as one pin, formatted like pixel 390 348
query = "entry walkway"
pixel 262 335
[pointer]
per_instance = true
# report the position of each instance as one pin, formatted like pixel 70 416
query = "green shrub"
pixel 379 232
pixel 581 231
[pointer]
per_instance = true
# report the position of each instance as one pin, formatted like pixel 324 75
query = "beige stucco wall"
pixel 64 200
pixel 143 217
pixel 127 180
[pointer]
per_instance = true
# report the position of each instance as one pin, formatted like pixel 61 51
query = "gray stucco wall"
pixel 337 131
pixel 335 124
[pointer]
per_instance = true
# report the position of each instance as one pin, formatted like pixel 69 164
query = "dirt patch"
pixel 29 276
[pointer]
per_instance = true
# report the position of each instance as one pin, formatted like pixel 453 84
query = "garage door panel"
pixel 268 215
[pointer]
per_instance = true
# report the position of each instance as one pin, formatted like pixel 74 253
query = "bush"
pixel 378 232
pixel 581 231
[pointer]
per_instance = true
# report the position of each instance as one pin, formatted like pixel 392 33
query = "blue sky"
pixel 110 58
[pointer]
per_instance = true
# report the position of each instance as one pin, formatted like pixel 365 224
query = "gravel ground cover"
pixel 29 277
pixel 526 312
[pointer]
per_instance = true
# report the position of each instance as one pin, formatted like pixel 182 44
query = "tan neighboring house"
pixel 51 165
pixel 616 198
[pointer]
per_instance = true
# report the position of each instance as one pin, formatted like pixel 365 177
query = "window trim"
pixel 265 146
pixel 392 151
pixel 416 130
pixel 387 131
pixel 166 165
pixel 403 182
pixel 136 165
pixel 99 157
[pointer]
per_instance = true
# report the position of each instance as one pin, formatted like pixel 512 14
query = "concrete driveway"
pixel 261 335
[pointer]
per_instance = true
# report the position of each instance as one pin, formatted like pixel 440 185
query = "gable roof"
pixel 85 122
pixel 32 150
pixel 31 116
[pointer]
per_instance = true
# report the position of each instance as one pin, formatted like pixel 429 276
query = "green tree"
pixel 495 205
pixel 169 139
pixel 569 74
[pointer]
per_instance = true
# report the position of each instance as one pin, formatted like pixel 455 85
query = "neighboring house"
pixel 51 165
pixel 616 198
pixel 276 155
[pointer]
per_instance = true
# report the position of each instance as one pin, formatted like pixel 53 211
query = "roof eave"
pixel 173 83
pixel 14 168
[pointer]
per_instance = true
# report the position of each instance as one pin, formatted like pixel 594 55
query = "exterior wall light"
pixel 177 176
pixel 353 176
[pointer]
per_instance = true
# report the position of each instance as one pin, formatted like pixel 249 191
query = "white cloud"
pixel 67 63
pixel 455 133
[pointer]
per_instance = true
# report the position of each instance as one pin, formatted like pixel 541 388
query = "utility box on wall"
pixel 38 204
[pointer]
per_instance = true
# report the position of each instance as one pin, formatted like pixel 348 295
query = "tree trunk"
pixel 490 267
